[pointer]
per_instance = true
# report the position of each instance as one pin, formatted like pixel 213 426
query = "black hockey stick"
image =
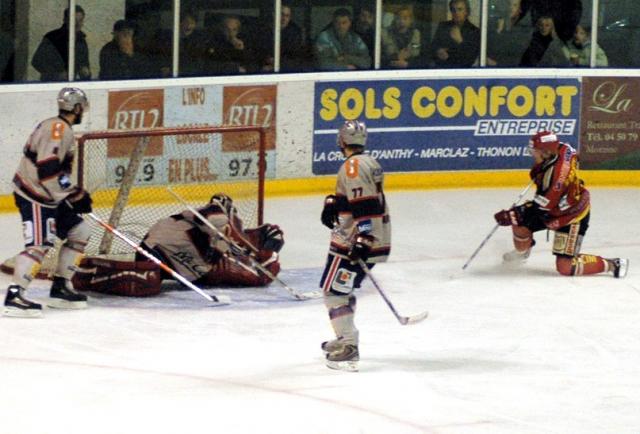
pixel 237 249
pixel 495 228
pixel 218 299
pixel 404 320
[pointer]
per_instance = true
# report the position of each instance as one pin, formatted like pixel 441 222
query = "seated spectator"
pixel 51 58
pixel 365 27
pixel 119 59
pixel 401 42
pixel 580 49
pixel 545 48
pixel 456 43
pixel 230 53
pixel 292 46
pixel 340 48
pixel 195 47
pixel 566 14
pixel 507 38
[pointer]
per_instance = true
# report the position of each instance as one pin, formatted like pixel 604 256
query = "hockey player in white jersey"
pixel 50 205
pixel 358 216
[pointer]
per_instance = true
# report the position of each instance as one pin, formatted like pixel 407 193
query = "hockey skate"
pixel 332 346
pixel 345 359
pixel 620 267
pixel 63 296
pixel 16 305
pixel 516 257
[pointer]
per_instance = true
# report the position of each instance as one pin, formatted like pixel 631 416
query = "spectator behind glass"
pixel 566 14
pixel 545 48
pixel 365 27
pixel 292 47
pixel 119 58
pixel 456 43
pixel 52 55
pixel 195 47
pixel 231 55
pixel 339 48
pixel 580 49
pixel 401 42
pixel 507 38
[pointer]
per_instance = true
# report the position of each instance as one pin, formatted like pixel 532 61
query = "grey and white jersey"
pixel 44 171
pixel 362 207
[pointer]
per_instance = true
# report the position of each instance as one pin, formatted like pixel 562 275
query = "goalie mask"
pixel 352 133
pixel 224 202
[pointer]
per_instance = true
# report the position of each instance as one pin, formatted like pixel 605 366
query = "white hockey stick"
pixel 236 248
pixel 218 299
pixel 404 320
pixel 495 228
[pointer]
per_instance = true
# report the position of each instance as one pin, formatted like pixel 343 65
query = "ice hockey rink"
pixel 504 350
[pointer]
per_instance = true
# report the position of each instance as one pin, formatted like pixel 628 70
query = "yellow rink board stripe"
pixel 393 181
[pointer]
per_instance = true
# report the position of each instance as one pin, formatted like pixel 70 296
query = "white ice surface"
pixel 503 351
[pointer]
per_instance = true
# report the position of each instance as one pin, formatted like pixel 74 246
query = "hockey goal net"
pixel 127 173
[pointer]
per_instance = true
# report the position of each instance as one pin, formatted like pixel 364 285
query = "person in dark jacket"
pixel 456 43
pixel 566 14
pixel 118 58
pixel 51 58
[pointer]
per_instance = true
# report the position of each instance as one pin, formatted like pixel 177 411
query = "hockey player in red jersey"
pixel 561 204
pixel 359 218
pixel 193 250
pixel 50 204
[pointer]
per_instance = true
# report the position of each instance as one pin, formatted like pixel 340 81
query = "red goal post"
pixel 127 172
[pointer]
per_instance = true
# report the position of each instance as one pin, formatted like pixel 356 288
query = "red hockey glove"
pixel 80 202
pixel 514 216
pixel 329 215
pixel 361 248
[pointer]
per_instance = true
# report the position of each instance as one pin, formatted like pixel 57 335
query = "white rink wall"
pixel 23 105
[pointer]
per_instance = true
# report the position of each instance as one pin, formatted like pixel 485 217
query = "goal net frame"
pixel 129 192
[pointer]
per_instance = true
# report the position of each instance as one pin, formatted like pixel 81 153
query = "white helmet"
pixel 224 202
pixel 352 133
pixel 68 97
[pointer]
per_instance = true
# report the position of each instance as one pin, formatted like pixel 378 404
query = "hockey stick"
pixel 237 249
pixel 404 320
pixel 495 228
pixel 219 299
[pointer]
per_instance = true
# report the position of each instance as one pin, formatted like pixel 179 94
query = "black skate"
pixel 620 267
pixel 345 359
pixel 332 346
pixel 16 305
pixel 63 296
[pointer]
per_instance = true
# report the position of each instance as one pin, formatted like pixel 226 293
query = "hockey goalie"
pixel 192 249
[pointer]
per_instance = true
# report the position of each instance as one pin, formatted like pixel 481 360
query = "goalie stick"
pixel 218 299
pixel 239 250
pixel 404 320
pixel 495 228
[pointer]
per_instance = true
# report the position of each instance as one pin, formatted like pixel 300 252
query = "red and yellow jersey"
pixel 44 171
pixel 560 192
pixel 362 206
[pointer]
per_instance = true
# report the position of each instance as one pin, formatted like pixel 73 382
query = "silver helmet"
pixel 68 97
pixel 352 133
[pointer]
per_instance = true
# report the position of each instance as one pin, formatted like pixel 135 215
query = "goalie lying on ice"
pixel 193 250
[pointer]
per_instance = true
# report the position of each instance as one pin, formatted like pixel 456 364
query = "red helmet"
pixel 544 141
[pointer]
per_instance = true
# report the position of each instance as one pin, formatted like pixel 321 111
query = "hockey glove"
pixel 273 238
pixel 361 248
pixel 514 216
pixel 329 215
pixel 80 202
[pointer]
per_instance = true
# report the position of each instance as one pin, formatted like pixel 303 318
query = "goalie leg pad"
pixel 226 272
pixel 131 279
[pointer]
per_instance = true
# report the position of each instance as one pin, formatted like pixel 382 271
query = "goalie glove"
pixel 273 237
pixel 361 248
pixel 329 215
